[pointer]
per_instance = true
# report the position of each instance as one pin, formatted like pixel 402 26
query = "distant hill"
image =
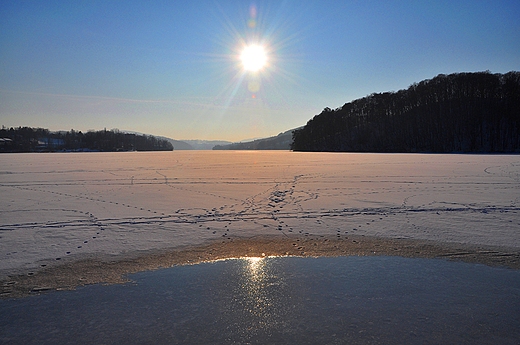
pixel 191 144
pixel 195 144
pixel 206 144
pixel 461 112
pixel 280 142
pixel 178 144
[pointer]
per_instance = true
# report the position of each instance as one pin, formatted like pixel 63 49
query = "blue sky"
pixel 172 68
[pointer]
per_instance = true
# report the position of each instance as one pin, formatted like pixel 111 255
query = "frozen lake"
pixel 282 300
pixel 68 220
pixel 59 208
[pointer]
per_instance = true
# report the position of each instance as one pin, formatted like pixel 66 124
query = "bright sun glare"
pixel 253 58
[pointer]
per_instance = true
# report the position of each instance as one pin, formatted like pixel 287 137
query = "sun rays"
pixel 256 74
pixel 254 71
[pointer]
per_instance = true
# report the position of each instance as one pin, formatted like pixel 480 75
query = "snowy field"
pixel 63 207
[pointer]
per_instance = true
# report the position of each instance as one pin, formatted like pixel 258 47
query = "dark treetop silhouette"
pixel 462 112
pixel 26 139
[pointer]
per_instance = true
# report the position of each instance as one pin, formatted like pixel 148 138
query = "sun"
pixel 253 58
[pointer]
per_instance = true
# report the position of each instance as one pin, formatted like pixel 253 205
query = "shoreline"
pixel 102 269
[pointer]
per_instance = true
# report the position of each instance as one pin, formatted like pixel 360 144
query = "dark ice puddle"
pixel 281 300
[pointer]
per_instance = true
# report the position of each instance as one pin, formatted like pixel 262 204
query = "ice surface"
pixel 341 300
pixel 65 205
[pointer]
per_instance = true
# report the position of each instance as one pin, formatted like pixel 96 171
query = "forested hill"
pixel 280 142
pixel 462 112
pixel 27 139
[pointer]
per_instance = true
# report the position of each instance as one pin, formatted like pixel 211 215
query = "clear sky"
pixel 174 68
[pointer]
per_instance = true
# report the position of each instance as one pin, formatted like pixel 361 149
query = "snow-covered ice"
pixel 66 206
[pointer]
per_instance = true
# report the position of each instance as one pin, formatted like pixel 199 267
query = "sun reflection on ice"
pixel 254 285
pixel 259 297
pixel 255 265
pixel 261 288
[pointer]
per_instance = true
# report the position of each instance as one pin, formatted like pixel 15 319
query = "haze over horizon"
pixel 181 69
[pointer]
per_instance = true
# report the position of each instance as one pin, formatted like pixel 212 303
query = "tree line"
pixel 27 139
pixel 461 112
